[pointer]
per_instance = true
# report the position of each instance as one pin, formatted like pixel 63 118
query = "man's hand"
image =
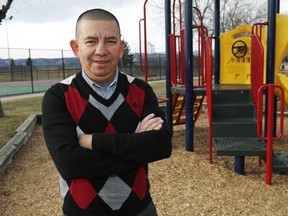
pixel 150 122
pixel 85 140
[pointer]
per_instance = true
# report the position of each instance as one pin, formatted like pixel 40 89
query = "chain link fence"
pixel 30 67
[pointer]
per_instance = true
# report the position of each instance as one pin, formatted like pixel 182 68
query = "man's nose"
pixel 101 48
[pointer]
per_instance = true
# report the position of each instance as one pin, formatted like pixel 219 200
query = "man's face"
pixel 99 48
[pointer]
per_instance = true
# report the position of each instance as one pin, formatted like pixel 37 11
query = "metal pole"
pixel 63 64
pixel 189 75
pixel 7 38
pixel 31 72
pixel 217 41
pixel 167 56
pixel 270 124
pixel 8 48
pixel 272 11
pixel 140 47
pixel 271 41
pixel 159 66
pixel 145 44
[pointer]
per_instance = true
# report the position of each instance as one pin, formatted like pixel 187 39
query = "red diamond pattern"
pixel 109 129
pixel 76 103
pixel 135 100
pixel 140 183
pixel 82 192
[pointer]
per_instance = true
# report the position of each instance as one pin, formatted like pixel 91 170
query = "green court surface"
pixel 24 87
pixel 16 90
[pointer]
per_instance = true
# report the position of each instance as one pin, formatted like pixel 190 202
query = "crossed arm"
pixel 150 122
pixel 86 155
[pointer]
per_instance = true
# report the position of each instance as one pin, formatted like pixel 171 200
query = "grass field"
pixel 15 114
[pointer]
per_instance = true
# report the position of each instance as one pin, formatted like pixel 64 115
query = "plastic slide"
pixel 281 49
pixel 282 80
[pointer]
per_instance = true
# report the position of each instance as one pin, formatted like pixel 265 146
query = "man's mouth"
pixel 101 62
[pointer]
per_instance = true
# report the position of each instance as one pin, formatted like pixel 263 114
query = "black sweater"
pixel 111 179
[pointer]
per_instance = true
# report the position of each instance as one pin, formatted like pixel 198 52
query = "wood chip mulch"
pixel 184 185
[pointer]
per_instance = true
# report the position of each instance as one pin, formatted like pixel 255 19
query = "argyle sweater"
pixel 112 178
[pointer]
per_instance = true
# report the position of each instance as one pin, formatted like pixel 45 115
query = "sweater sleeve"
pixel 72 160
pixel 141 147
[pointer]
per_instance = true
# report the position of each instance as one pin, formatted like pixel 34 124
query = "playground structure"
pixel 247 71
pixel 177 72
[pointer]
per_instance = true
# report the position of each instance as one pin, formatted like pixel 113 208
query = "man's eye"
pixel 90 42
pixel 111 41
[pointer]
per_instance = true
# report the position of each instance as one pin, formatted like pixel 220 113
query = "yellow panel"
pixel 235 68
pixel 282 80
pixel 280 52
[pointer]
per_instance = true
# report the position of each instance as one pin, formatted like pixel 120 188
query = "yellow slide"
pixel 282 80
pixel 281 45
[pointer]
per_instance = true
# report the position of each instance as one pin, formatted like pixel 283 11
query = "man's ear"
pixel 74 46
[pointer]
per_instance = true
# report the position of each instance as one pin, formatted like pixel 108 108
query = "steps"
pixel 234 126
pixel 179 108
pixel 243 146
pixel 280 163
pixel 234 123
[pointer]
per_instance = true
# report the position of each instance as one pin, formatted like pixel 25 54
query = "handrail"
pixel 173 59
pixel 202 34
pixel 180 15
pixel 257 28
pixel 177 57
pixel 209 74
pixel 177 49
pixel 257 59
pixel 270 88
pixel 257 66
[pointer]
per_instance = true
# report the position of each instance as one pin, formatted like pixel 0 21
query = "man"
pixel 102 127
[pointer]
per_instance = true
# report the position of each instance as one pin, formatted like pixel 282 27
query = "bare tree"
pixel 3 12
pixel 5 9
pixel 238 12
pixel 232 12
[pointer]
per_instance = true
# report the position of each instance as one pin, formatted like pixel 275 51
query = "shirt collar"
pixel 92 83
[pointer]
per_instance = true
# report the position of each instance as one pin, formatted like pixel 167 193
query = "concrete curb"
pixel 22 133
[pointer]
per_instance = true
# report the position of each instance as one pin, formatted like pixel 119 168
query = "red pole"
pixel 140 47
pixel 145 45
pixel 209 71
pixel 270 123
pixel 270 120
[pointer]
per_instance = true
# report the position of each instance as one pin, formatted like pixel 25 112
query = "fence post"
pixel 63 64
pixel 31 71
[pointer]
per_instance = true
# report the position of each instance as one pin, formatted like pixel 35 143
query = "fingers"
pixel 150 122
pixel 153 124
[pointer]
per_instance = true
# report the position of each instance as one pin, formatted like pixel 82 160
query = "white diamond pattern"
pixel 108 112
pixel 115 192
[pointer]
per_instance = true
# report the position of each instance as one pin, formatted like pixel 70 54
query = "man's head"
pixel 98 44
pixel 96 14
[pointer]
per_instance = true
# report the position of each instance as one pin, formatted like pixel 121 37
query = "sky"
pixel 50 24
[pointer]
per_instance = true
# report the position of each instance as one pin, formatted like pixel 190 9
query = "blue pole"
pixel 278 6
pixel 239 165
pixel 189 75
pixel 272 10
pixel 217 41
pixel 270 62
pixel 168 77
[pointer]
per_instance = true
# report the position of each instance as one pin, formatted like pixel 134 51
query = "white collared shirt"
pixel 105 90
